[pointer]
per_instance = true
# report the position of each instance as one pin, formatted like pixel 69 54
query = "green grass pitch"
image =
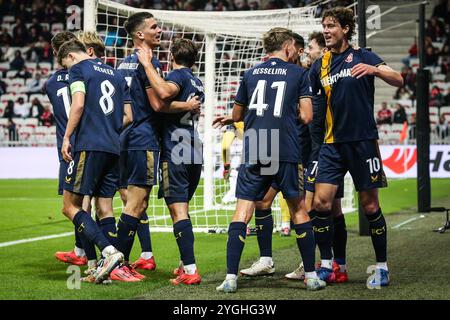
pixel 30 208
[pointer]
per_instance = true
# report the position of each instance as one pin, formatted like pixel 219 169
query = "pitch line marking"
pixel 408 221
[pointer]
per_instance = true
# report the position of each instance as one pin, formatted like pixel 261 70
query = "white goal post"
pixel 229 43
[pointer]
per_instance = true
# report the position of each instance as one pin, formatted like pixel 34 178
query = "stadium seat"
pixel 445 110
pixel 434 111
pixel 11 73
pixel 31 66
pixel 434 119
pixel 31 122
pixel 9 19
pixel 41 97
pixel 6 97
pixel 46 67
pixel 397 127
pixel 4 66
pixel 3 122
pixel 56 27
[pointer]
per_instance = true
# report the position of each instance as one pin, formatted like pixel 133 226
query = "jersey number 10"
pixel 257 101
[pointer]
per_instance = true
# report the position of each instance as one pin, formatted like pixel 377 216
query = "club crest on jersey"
pixel 349 58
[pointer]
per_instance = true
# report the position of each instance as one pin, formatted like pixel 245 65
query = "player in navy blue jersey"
pixel 346 76
pixel 96 117
pixel 271 99
pixel 315 49
pixel 263 209
pixel 142 138
pixel 57 90
pixel 181 148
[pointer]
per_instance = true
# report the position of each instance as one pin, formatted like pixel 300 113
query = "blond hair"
pixel 275 38
pixel 91 39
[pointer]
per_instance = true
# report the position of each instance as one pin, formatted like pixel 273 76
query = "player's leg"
pixel 285 218
pixel 142 166
pixel 178 183
pixel 366 168
pixel 331 172
pixel 264 231
pixel 291 182
pixel 339 239
pixel 251 187
pixel 77 256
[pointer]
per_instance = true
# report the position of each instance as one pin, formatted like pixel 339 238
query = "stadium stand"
pixel 26 52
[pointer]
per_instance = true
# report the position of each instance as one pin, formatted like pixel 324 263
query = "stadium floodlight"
pixel 229 43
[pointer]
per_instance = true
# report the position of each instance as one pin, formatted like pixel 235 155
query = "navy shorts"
pixel 178 182
pixel 93 173
pixel 253 186
pixel 361 158
pixel 310 180
pixel 142 167
pixel 123 168
pixel 62 174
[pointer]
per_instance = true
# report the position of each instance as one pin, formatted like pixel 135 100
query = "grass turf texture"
pixel 29 208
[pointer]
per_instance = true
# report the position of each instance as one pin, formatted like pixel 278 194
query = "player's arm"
pixel 127 115
pixel 305 109
pixel 384 72
pixel 238 112
pixel 76 111
pixel 160 105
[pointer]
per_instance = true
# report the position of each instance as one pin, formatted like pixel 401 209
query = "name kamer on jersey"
pixel 269 71
pixel 328 81
pixel 103 70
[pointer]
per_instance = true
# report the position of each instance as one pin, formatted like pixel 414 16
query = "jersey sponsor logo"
pixel 129 66
pixel 349 58
pixel 330 80
pixel 401 160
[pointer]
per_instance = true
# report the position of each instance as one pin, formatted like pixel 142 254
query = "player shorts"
pixel 123 170
pixel 252 185
pixel 361 158
pixel 178 182
pixel 142 167
pixel 310 180
pixel 93 173
pixel 62 174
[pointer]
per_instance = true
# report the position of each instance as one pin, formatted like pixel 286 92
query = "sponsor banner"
pixel 400 161
pixel 29 163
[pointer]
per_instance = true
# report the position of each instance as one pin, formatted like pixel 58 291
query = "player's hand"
pixel 194 104
pixel 226 171
pixel 362 69
pixel 145 56
pixel 66 150
pixel 222 121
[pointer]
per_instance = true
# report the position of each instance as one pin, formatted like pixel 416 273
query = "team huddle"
pixel 306 123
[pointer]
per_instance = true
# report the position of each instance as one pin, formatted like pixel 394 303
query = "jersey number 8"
pixel 106 101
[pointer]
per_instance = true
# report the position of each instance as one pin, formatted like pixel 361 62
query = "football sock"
pixel 235 245
pixel 126 229
pixel 326 263
pixel 323 232
pixel 146 255
pixel 382 265
pixel 78 243
pixel 184 236
pixel 378 232
pixel 266 260
pixel 306 244
pixel 264 229
pixel 190 268
pixel 109 229
pixel 89 249
pixel 87 228
pixel 79 252
pixel 311 275
pixel 339 239
pixel 143 232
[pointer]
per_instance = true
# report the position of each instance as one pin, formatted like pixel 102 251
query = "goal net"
pixel 229 43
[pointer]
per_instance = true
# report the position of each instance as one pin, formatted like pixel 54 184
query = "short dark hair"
pixel 299 41
pixel 73 45
pixel 274 39
pixel 318 36
pixel 61 37
pixel 184 52
pixel 135 21
pixel 345 17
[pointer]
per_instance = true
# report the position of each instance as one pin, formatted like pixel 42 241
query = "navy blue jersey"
pixel 271 93
pixel 58 92
pixel 143 134
pixel 189 86
pixel 317 125
pixel 349 112
pixel 105 95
